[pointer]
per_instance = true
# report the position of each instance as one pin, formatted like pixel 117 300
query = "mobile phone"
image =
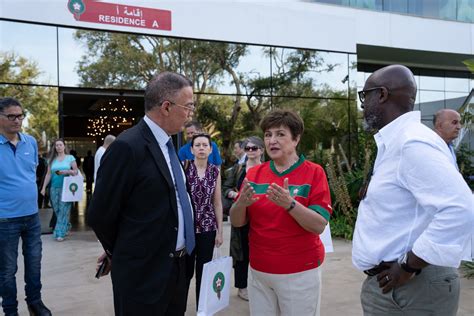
pixel 101 268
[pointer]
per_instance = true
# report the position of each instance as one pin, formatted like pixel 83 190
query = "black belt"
pixel 378 268
pixel 178 253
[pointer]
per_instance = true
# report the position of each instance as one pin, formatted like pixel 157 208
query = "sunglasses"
pixel 251 148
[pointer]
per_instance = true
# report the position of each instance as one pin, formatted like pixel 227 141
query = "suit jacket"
pixel 134 213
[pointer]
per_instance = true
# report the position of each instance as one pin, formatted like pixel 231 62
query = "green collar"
pixel 287 171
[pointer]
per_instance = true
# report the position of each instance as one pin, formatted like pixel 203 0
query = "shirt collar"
pixel 391 131
pixel 161 136
pixel 4 140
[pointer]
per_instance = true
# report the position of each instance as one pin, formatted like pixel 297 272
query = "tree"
pixel 39 102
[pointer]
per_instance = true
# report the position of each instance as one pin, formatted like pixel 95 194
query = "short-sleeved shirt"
pixel 202 195
pixel 58 179
pixel 278 244
pixel 186 154
pixel 18 190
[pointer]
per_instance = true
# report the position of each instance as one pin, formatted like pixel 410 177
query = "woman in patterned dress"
pixel 204 182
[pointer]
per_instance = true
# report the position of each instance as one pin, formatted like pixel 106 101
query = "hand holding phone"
pixel 104 267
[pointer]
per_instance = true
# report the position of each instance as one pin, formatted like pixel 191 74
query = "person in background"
pixel 416 217
pixel 185 152
pixel 40 174
pixel 141 211
pixel 287 204
pixel 100 152
pixel 239 152
pixel 239 239
pixel 60 165
pixel 447 124
pixel 88 168
pixel 19 211
pixel 73 153
pixel 204 182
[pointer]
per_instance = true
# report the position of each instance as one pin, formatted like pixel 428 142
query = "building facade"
pixel 93 58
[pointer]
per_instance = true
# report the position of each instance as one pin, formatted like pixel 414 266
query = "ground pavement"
pixel 69 286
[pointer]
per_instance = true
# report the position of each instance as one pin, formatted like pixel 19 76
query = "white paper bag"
pixel 215 285
pixel 326 239
pixel 73 187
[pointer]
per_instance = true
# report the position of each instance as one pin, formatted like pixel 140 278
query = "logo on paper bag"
pixel 73 188
pixel 218 284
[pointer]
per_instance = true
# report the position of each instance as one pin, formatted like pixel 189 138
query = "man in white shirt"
pixel 100 152
pixel 416 217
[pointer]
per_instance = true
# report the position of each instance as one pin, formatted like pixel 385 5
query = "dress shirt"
pixel 416 200
pixel 97 157
pixel 162 138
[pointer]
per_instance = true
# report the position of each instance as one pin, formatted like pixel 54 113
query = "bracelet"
pixel 292 206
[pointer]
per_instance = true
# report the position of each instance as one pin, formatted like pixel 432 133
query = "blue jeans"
pixel 11 229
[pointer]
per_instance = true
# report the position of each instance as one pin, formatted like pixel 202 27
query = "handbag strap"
pixel 216 253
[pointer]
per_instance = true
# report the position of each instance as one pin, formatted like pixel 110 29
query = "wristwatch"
pixel 292 206
pixel 403 261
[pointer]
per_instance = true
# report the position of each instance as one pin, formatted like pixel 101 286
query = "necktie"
pixel 183 198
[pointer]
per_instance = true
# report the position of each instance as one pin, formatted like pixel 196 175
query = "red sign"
pixel 122 15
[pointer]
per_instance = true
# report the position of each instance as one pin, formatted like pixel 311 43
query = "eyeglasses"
pixel 363 93
pixel 190 106
pixel 251 148
pixel 13 117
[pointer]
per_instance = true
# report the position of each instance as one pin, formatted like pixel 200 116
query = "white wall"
pixel 289 23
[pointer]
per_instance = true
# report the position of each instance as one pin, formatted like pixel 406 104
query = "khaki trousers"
pixel 294 294
pixel 435 291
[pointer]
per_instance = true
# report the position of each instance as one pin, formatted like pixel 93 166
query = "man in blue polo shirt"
pixel 185 153
pixel 18 211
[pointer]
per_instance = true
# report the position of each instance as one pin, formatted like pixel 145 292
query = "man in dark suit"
pixel 140 209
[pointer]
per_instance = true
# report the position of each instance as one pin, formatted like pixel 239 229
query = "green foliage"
pixel 39 102
pixel 466 167
pixel 468 269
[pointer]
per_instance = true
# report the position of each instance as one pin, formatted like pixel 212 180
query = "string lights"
pixel 114 115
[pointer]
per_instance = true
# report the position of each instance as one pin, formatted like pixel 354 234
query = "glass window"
pixel 299 72
pixel 465 10
pixel 430 102
pixel 431 83
pixel 457 84
pixel 70 53
pixel 249 64
pixel 32 49
pixel 353 77
pixel 444 9
pixel 367 4
pixel 400 6
pixel 339 2
pixel 454 100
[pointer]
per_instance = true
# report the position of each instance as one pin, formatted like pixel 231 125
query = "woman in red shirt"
pixel 286 202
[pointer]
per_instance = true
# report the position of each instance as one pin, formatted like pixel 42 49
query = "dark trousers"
pixel 28 228
pixel 172 303
pixel 241 267
pixel 202 254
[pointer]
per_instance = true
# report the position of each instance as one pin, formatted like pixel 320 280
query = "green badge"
pixel 218 283
pixel 73 188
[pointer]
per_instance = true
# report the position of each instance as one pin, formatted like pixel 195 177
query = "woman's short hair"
pixel 200 135
pixel 286 118
pixel 255 140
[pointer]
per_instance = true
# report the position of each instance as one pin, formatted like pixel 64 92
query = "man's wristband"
pixel 292 206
